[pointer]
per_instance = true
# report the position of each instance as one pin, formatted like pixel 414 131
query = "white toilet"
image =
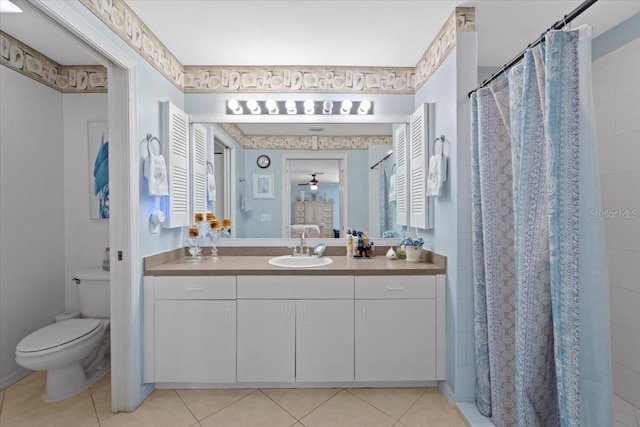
pixel 72 351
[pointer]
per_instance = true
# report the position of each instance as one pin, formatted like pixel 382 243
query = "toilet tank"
pixel 93 292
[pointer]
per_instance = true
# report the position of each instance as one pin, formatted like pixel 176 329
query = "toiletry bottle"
pixel 349 243
pixel 373 250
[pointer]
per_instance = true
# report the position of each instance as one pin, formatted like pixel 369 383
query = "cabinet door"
pixel 195 341
pixel 324 340
pixel 266 340
pixel 395 340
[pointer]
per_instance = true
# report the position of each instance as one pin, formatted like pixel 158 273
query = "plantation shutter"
pixel 175 136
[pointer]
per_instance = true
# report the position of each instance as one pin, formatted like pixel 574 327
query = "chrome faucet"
pixel 303 240
pixel 303 245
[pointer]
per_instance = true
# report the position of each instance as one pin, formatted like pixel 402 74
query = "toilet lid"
pixel 57 334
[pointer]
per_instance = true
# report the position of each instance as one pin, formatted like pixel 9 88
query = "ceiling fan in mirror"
pixel 313 183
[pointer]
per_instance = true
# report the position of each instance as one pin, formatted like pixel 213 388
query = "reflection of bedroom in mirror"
pixel 315 195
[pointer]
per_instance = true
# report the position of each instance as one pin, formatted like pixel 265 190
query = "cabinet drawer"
pixel 295 287
pixel 324 287
pixel 267 287
pixel 195 287
pixel 395 287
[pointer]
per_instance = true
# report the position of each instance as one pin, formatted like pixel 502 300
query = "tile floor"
pixel 624 413
pixel 22 405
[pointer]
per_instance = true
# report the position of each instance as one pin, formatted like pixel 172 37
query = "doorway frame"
pixel 286 187
pixel 127 387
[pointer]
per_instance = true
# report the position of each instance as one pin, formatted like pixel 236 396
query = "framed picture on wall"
pixel 263 186
pixel 98 140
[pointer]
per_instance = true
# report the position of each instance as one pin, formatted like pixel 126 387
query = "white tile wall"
pixel 616 87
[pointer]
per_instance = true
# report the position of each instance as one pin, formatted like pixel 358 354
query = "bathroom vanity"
pixel 241 322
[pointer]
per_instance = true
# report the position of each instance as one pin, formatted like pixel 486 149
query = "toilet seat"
pixel 58 336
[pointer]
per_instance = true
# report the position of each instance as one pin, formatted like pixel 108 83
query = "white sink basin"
pixel 299 262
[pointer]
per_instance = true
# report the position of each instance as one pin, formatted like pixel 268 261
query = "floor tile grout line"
pixel 319 406
pixel 371 404
pixel 187 406
pixel 95 409
pixel 280 406
pixel 296 418
pixel 226 406
pixel 412 405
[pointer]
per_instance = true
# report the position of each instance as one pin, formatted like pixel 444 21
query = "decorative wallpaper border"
pixel 297 79
pixel 66 79
pixel 359 142
pixel 118 16
pixel 462 19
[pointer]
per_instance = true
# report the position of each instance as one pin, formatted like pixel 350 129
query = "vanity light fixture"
pixel 364 108
pixel 253 106
pixel 327 107
pixel 345 107
pixel 291 106
pixel 272 106
pixel 8 7
pixel 276 107
pixel 234 106
pixel 309 106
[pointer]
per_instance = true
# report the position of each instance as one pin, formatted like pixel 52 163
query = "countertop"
pixel 237 265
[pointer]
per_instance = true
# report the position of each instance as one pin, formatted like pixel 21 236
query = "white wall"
pixel 84 239
pixel 31 213
pixel 616 91
pixel 447 88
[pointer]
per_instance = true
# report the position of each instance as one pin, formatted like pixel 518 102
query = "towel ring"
pixel 209 167
pixel 441 140
pixel 150 139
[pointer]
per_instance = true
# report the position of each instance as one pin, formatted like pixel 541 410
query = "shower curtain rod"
pixel 382 160
pixel 558 25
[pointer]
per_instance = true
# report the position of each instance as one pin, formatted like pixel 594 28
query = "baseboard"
pixel 446 391
pixel 342 384
pixel 13 378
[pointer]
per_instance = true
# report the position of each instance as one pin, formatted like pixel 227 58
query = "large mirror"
pixel 321 191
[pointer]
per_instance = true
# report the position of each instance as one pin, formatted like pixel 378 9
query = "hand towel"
pixel 211 187
pixel 392 188
pixel 245 197
pixel 155 170
pixel 436 174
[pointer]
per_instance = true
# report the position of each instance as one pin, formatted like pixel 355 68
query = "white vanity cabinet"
pixel 397 330
pixel 266 340
pixel 295 328
pixel 193 339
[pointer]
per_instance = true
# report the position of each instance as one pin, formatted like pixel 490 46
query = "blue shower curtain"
pixel 539 277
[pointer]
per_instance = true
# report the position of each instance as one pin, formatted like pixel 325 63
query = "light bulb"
pixel 272 106
pixel 309 106
pixel 346 106
pixel 327 107
pixel 313 187
pixel 234 106
pixel 290 105
pixel 253 106
pixel 365 106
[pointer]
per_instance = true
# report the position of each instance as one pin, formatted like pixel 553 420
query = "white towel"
pixel 437 174
pixel 245 197
pixel 211 187
pixel 392 188
pixel 155 170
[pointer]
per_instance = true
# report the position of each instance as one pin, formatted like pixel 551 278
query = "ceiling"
pixel 300 173
pixel 391 33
